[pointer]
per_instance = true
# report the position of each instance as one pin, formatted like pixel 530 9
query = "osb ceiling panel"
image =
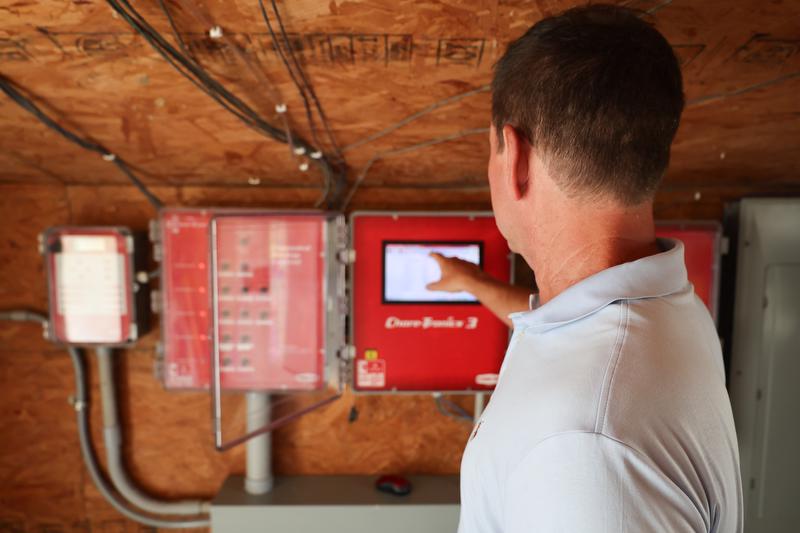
pixel 373 63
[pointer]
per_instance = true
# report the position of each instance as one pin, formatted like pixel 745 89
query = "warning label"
pixel 371 374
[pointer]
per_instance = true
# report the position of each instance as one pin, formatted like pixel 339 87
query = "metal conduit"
pixel 112 437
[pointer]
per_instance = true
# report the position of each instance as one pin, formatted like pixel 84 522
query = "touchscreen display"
pixel 408 268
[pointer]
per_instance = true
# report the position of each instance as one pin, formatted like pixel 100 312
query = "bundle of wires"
pixel 190 68
pixel 298 76
pixel 26 103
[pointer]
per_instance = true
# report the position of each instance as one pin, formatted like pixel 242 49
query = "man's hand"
pixel 500 298
pixel 457 274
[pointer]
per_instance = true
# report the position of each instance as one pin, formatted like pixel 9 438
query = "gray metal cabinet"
pixel 765 365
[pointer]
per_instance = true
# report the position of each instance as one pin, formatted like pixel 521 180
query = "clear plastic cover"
pixel 275 287
pixel 268 285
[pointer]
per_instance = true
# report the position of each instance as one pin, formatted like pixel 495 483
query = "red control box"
pixel 261 293
pixel 406 337
pixel 186 303
pixel 701 242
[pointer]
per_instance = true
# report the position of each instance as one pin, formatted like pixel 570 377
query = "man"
pixel 610 414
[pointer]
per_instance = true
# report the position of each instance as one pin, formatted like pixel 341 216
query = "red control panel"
pixel 258 280
pixel 406 337
pixel 269 301
pixel 266 299
pixel 701 250
pixel 186 308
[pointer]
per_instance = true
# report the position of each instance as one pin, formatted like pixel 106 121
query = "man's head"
pixel 589 100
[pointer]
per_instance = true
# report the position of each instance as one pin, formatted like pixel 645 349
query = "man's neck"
pixel 578 247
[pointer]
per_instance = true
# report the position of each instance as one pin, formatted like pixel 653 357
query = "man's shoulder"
pixel 551 383
pixel 608 366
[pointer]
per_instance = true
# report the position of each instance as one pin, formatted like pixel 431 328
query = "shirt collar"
pixel 649 277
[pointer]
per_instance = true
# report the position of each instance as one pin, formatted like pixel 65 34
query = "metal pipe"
pixel 23 315
pixel 258 478
pixel 112 437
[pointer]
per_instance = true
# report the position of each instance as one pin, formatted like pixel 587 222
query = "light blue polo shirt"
pixel 610 414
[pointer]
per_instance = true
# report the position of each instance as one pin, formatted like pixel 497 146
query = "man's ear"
pixel 516 155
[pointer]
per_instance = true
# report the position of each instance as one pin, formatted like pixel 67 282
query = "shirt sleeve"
pixel 586 482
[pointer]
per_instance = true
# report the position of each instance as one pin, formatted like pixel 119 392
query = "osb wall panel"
pixel 373 64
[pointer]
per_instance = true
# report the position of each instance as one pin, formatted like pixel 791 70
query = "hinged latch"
pixel 347 352
pixel 347 256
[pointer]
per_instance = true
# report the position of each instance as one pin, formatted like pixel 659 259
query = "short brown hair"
pixel 599 92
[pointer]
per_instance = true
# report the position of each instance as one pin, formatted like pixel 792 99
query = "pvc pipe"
pixel 258 472
pixel 112 437
pixel 480 399
pixel 90 459
pixel 81 405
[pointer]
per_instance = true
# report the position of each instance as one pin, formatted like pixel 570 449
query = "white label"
pixel 90 285
pixel 429 322
pixel 371 374
pixel 486 379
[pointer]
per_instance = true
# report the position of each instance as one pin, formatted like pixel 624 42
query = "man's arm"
pixel 500 298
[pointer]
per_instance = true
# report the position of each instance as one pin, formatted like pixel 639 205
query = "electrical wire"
pixel 274 424
pixel 306 84
pixel 414 116
pixel 743 90
pixel 406 149
pixel 305 89
pixel 300 88
pixel 181 43
pixel 451 409
pixel 262 81
pixel 14 93
pixel 328 177
pixel 193 71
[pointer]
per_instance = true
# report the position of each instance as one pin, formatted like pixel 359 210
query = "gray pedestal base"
pixel 331 504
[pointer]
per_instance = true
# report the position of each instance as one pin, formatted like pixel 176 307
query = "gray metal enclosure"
pixel 765 365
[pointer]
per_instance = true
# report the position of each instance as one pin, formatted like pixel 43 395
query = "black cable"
pixel 193 71
pixel 309 116
pixel 340 184
pixel 175 58
pixel 174 27
pixel 305 81
pixel 11 90
pixel 199 84
pixel 303 94
pixel 185 49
